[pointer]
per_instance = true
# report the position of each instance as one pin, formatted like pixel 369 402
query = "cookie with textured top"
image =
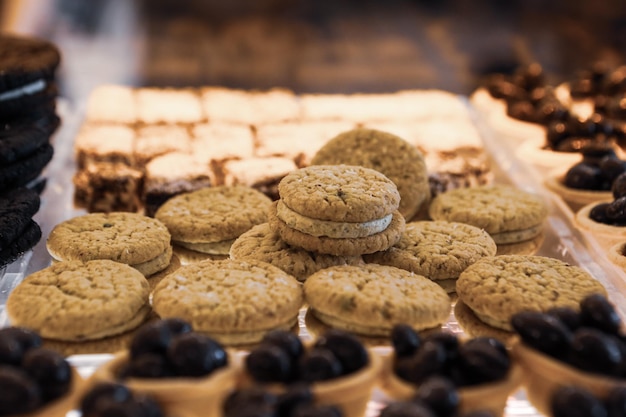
pixel 495 288
pixel 384 152
pixel 27 71
pixel 139 241
pixel 76 301
pixel 210 219
pixel 263 244
pixel 507 213
pixel 339 210
pixel 235 302
pixel 438 250
pixel 371 299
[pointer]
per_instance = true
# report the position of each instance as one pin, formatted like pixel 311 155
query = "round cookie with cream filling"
pixel 495 288
pixel 438 250
pixel 76 301
pixel 235 302
pixel 371 299
pixel 507 213
pixel 384 152
pixel 210 219
pixel 339 210
pixel 139 241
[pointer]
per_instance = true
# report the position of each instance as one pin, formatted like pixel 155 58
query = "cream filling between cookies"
pixel 515 236
pixel 211 248
pixel 31 88
pixel 155 264
pixel 247 337
pixel 336 322
pixel 337 230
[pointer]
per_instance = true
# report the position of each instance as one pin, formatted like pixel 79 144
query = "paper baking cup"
pixel 488 397
pixel 350 393
pixel 61 406
pixel 543 375
pixel 182 396
pixel 605 234
pixel 574 198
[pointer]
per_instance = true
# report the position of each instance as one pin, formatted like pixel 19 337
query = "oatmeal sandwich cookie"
pixel 371 299
pixel 210 219
pixel 77 301
pixel 508 214
pixel 130 238
pixel 495 288
pixel 384 152
pixel 339 210
pixel 438 250
pixel 263 244
pixel 235 302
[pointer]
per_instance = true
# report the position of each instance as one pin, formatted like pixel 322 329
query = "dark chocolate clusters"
pixel 599 80
pixel 169 348
pixel 478 361
pixel 436 397
pixel 527 96
pixel 30 376
pixel 593 135
pixel 590 339
pixel 596 172
pixel 107 399
pixel 569 401
pixel 281 357
pixel 613 213
pixel 296 401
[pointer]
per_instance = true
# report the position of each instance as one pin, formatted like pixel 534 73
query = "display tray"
pixel 562 240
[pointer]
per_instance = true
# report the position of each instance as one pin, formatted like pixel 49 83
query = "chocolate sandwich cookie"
pixel 22 171
pixel 28 238
pixel 27 70
pixel 24 136
pixel 17 207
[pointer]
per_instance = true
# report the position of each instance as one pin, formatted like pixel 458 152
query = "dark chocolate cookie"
pixel 27 239
pixel 26 60
pixel 16 209
pixel 22 137
pixel 26 169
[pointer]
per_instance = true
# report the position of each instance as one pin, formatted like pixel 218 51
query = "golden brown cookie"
pixel 210 219
pixel 130 238
pixel 507 213
pixel 339 210
pixel 371 299
pixel 339 193
pixel 154 279
pixel 473 327
pixel 262 244
pixel 384 152
pixel 438 250
pixel 75 301
pixel 496 288
pixel 236 302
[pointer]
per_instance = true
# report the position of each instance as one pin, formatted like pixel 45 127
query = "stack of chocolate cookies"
pixel 27 121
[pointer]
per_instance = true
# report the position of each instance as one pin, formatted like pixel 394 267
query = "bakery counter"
pixel 560 239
